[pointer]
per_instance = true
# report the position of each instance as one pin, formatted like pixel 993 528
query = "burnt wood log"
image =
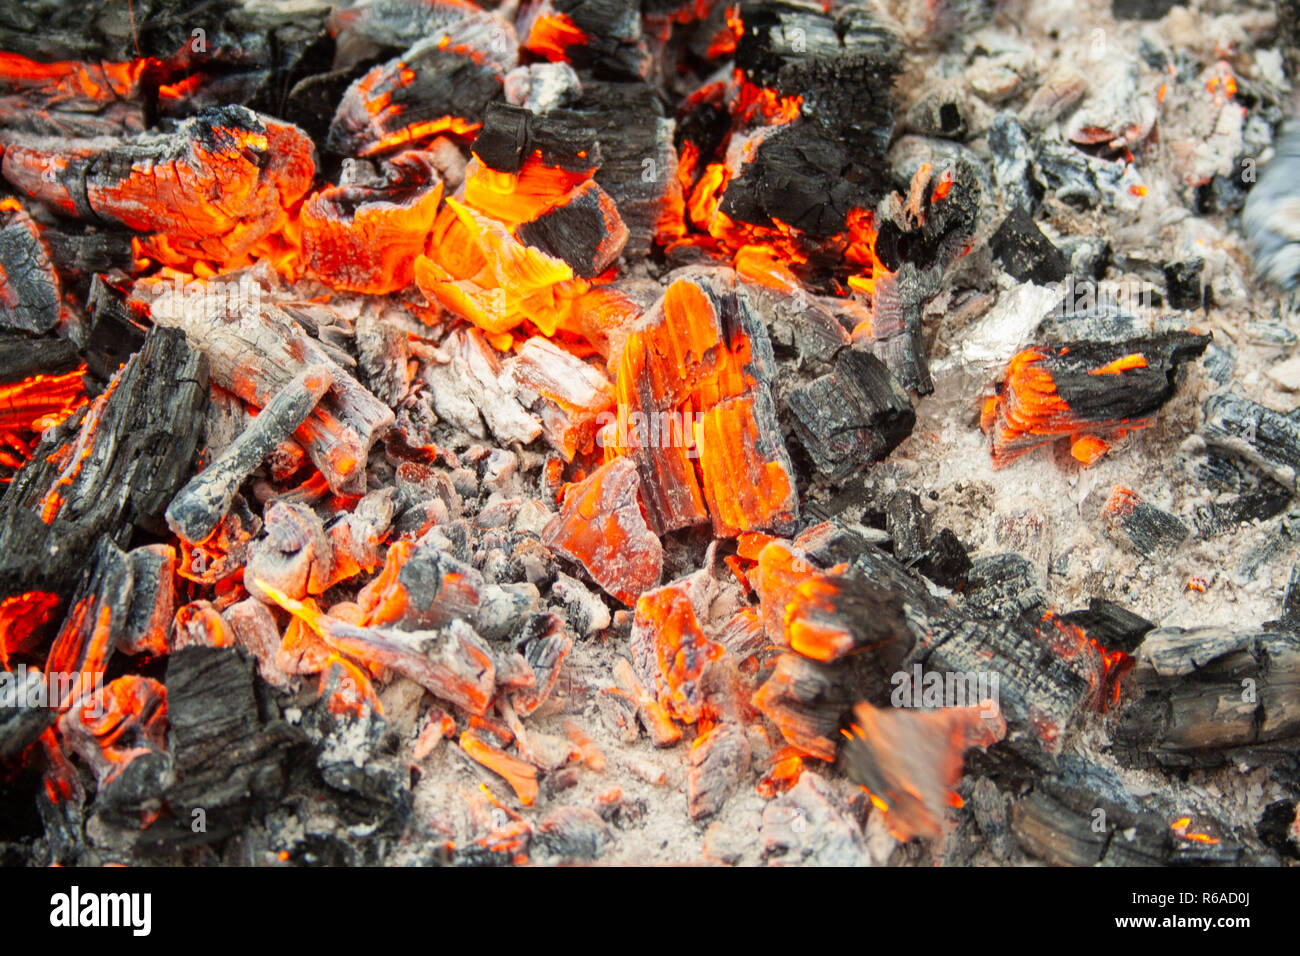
pixel 111 467
pixel 855 415
pixel 22 356
pixel 1066 826
pixel 1212 696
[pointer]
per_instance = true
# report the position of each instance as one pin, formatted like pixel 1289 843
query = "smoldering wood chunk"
pixel 841 65
pixel 521 776
pixel 364 236
pixel 261 166
pixel 254 351
pixel 153 600
pixel 1248 430
pixel 810 825
pixel 937 223
pixel 703 350
pixel 911 760
pixel 199 507
pixel 1004 586
pixel 35 398
pixel 855 415
pixel 807 701
pixel 512 135
pixel 567 394
pixel 420 587
pixel 384 353
pixel 117 333
pixel 584 230
pixel 603 35
pixel 200 624
pixel 812 172
pixel 1111 625
pixel 719 760
pixel 619 712
pixel 295 556
pixel 397 24
pixel 830 615
pixel 545 646
pixel 669 648
pixel 1091 392
pixel 96 610
pixel 228 759
pixel 31 299
pixel 749 480
pixel 1067 826
pixel 20 724
pixel 1141 525
pixel 897 335
pixel 120 732
pixel 1047 674
pixel 109 468
pixel 255 630
pixel 600 526
pixel 629 123
pixel 1212 696
pixel 795 176
pixel 573 833
pixel 454 664
pixel 504 608
pixel 72 99
pixel 469 392
pixel 432 88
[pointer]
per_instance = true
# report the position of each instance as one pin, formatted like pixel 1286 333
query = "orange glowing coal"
pixel 32 405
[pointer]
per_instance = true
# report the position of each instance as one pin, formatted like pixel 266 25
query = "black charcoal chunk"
pixel 1183 283
pixel 1065 172
pixel 946 560
pixel 855 415
pixel 1147 529
pixel 1256 504
pixel 1004 586
pixel 1025 252
pixel 1267 439
pixel 908 525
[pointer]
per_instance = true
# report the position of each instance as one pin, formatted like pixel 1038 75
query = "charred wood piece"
pixel 32 296
pixel 205 499
pixel 1212 696
pixel 1248 430
pixel 262 166
pixel 254 352
pixel 114 465
pixel 1091 393
pixel 432 88
pixel 854 416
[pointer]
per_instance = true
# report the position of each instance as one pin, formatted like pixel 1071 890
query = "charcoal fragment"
pixel 1025 252
pixel 855 415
